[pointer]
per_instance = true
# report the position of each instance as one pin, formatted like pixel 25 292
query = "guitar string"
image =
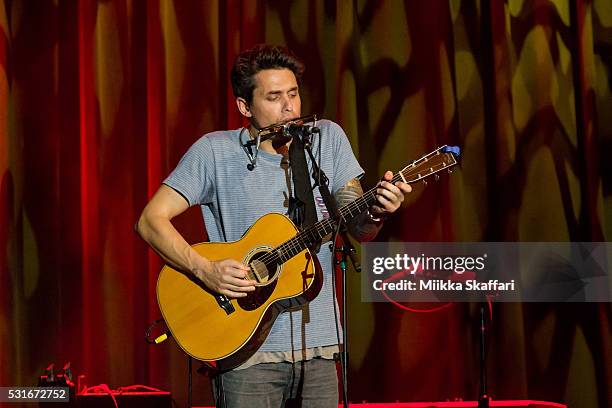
pixel 297 244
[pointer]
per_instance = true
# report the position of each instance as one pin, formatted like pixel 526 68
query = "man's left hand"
pixel 389 196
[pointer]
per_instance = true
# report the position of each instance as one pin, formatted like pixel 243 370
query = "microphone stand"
pixel 483 397
pixel 346 250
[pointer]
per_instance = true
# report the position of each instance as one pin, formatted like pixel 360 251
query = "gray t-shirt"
pixel 213 174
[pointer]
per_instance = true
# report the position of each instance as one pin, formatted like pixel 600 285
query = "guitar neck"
pixel 436 161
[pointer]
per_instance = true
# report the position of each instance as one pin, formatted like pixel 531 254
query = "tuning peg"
pixel 424 182
pixel 436 177
pixel 450 170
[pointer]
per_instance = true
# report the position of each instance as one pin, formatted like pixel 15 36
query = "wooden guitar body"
pixel 207 331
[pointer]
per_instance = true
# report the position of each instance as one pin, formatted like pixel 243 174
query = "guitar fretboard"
pixel 434 162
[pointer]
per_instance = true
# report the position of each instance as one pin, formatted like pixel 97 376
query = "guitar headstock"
pixel 443 158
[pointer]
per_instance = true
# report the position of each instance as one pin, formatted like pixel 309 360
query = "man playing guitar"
pixel 217 173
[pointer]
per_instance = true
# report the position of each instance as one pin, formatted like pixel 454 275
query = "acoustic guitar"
pixel 225 332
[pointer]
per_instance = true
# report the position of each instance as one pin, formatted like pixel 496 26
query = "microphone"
pixel 293 129
pixel 303 132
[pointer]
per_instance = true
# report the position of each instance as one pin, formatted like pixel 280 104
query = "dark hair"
pixel 262 56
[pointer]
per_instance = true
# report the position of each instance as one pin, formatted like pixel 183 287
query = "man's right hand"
pixel 227 277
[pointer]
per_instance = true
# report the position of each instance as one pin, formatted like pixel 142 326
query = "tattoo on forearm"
pixel 360 227
pixel 349 193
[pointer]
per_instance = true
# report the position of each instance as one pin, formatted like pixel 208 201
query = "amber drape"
pixel 99 99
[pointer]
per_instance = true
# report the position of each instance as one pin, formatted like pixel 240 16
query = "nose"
pixel 287 104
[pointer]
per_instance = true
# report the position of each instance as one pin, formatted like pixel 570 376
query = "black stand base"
pixel 484 401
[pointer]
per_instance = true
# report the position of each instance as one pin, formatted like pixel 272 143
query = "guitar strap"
pixel 303 213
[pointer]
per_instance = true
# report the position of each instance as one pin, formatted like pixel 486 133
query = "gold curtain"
pixel 99 99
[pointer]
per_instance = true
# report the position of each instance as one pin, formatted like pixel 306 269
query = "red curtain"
pixel 99 100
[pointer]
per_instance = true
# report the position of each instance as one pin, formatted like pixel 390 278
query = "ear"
pixel 243 107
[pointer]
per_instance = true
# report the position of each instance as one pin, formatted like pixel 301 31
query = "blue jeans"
pixel 307 384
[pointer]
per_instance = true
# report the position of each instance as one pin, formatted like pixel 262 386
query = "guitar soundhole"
pixel 263 273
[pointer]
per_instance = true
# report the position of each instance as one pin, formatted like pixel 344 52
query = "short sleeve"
pixel 193 176
pixel 346 166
